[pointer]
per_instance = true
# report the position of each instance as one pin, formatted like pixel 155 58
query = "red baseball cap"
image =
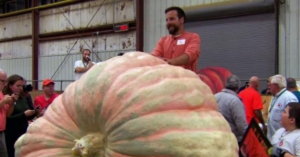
pixel 46 82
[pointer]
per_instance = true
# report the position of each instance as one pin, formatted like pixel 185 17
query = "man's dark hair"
pixel 291 83
pixel 87 50
pixel 294 112
pixel 180 12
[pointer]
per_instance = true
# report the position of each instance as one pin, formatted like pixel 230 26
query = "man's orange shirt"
pixel 252 101
pixel 170 47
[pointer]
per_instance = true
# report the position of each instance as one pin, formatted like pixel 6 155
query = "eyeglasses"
pixel 3 81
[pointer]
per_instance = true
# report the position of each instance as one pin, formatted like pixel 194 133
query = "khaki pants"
pixel 3 151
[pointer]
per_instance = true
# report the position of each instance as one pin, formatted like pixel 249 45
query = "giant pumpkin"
pixel 215 77
pixel 134 105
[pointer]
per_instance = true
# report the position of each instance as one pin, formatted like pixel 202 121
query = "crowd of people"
pixel 283 126
pixel 17 109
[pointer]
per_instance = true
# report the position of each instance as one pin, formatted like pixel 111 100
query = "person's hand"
pixel 164 59
pixel 29 113
pixel 40 113
pixel 8 100
pixel 170 62
pixel 15 96
pixel 265 129
pixel 90 64
pixel 286 154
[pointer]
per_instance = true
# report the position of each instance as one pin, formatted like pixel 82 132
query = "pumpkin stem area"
pixel 91 145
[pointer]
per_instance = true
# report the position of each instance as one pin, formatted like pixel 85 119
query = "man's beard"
pixel 85 59
pixel 174 29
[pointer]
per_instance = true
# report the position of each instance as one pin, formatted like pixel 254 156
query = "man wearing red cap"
pixel 44 100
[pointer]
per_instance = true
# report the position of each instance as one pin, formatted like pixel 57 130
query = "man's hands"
pixel 181 60
pixel 15 96
pixel 90 64
pixel 7 99
pixel 264 128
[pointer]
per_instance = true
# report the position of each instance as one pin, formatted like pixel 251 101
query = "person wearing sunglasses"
pixel 6 109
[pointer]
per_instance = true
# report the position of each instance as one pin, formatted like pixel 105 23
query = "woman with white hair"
pixel 282 97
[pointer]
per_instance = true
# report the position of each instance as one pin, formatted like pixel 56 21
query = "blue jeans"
pixel 3 151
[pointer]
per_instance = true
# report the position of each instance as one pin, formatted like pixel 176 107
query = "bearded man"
pixel 180 48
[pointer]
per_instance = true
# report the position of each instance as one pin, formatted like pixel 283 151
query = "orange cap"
pixel 47 82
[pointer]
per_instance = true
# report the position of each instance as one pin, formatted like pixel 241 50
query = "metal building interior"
pixel 43 38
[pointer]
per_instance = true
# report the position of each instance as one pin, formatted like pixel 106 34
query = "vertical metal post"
pixel 277 12
pixel 35 44
pixel 139 25
pixel 61 82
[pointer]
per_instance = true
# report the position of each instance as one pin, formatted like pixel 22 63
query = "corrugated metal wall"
pixel 56 63
pixel 15 56
pixel 289 34
pixel 155 23
pixel 57 58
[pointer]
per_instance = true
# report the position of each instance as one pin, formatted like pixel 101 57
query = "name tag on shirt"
pixel 181 42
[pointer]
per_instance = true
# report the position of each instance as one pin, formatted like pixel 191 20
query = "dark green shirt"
pixel 297 94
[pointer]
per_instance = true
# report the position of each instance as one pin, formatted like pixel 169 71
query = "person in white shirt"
pixel 83 65
pixel 286 140
pixel 278 103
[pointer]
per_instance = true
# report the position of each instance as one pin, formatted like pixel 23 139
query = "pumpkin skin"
pixel 133 105
pixel 214 77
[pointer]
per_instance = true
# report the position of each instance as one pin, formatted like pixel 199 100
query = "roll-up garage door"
pixel 246 45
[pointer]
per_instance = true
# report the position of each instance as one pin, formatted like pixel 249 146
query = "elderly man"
pixel 6 109
pixel 286 140
pixel 232 108
pixel 253 102
pixel 281 98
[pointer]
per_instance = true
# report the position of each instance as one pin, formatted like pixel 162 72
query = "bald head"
pixel 2 73
pixel 254 82
pixel 3 79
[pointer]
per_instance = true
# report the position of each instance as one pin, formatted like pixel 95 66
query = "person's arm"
pixel 259 116
pixel 10 110
pixel 258 106
pixel 83 69
pixel 191 54
pixel 2 103
pixel 6 100
pixel 24 116
pixel 181 60
pixel 239 116
pixel 286 154
pixel 16 118
pixel 158 50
